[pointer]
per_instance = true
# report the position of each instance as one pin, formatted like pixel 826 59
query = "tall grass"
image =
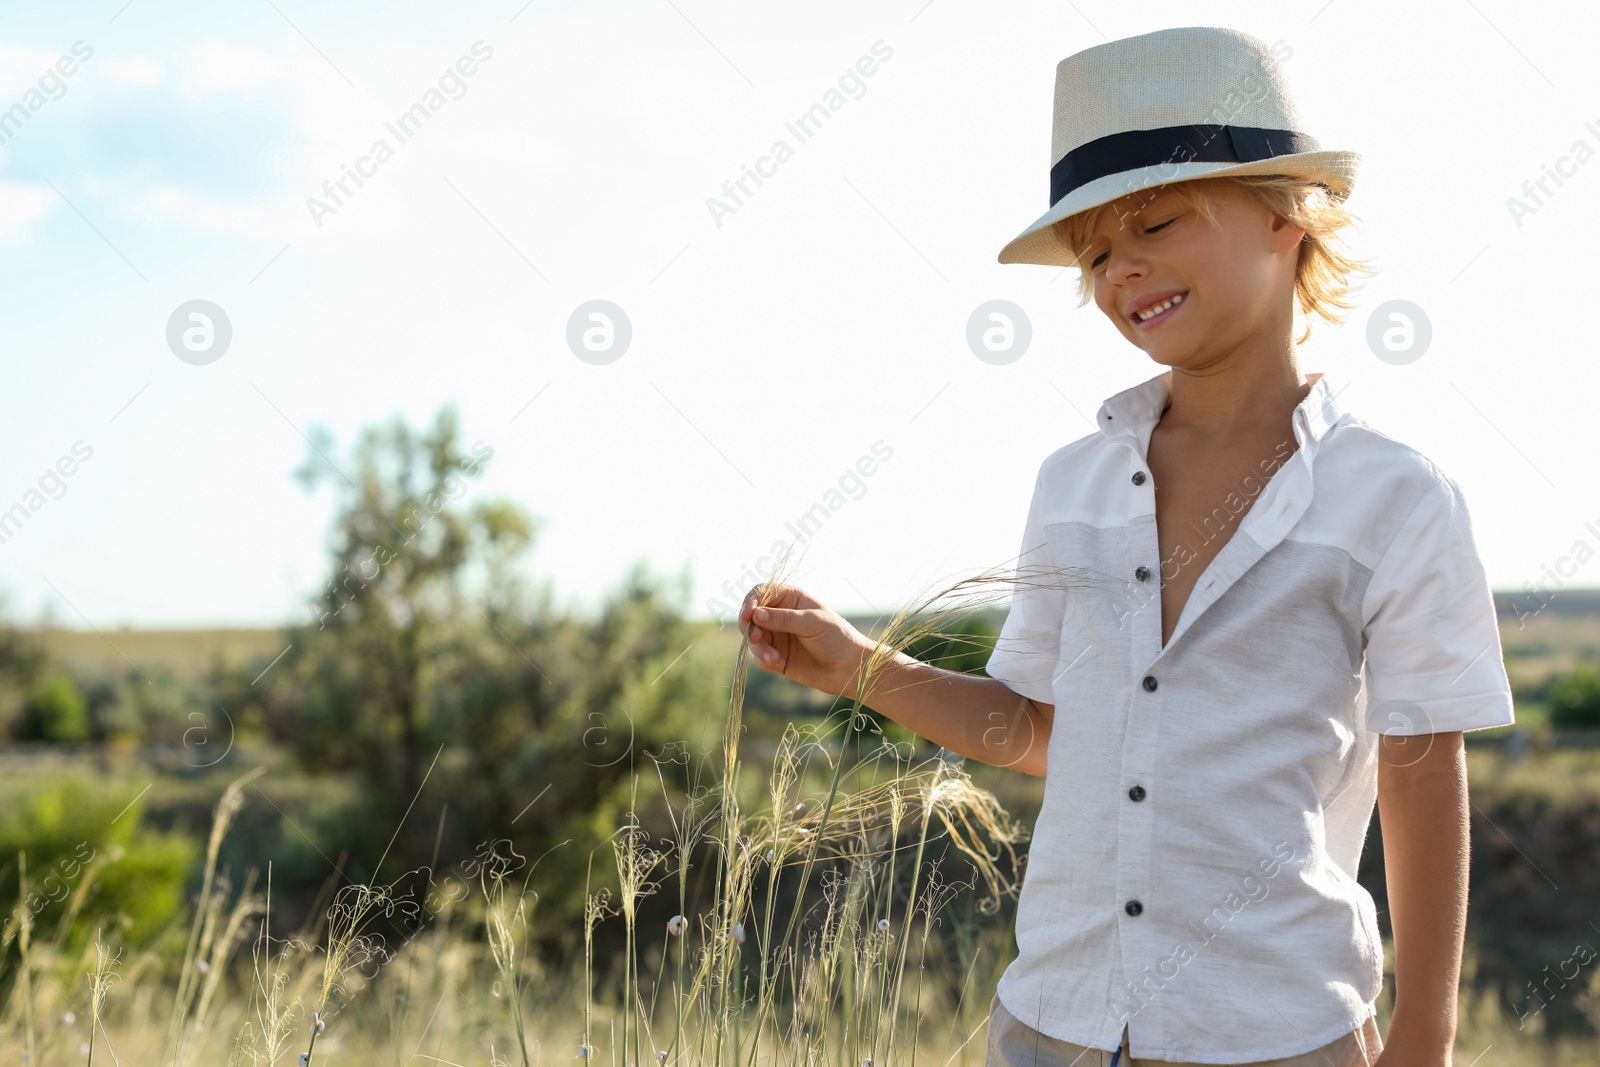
pixel 820 981
pixel 841 826
pixel 856 956
pixel 100 978
pixel 749 980
pixel 506 922
pixel 204 948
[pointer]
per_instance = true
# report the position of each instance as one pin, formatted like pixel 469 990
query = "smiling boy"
pixel 1364 575
pixel 1242 618
pixel 1227 426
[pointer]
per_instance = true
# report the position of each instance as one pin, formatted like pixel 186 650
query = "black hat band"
pixel 1199 143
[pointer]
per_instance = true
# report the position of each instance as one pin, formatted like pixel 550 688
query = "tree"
pixel 427 645
pixel 400 555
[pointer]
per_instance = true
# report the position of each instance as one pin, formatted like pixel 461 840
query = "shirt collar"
pixel 1128 417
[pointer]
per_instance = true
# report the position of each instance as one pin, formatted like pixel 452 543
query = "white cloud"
pixel 135 72
pixel 215 66
pixel 20 68
pixel 505 144
pixel 20 207
pixel 166 203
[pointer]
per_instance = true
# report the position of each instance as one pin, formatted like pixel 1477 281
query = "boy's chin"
pixel 1164 355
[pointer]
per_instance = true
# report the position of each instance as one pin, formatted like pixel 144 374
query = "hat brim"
pixel 1040 242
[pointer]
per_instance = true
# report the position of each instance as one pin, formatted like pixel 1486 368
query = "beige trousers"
pixel 1013 1043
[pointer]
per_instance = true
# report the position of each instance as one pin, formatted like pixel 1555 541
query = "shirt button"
pixel 1133 907
pixel 1137 792
pixel 1143 574
pixel 1138 477
pixel 1149 683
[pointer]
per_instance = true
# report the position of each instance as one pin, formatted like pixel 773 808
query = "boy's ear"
pixel 1286 235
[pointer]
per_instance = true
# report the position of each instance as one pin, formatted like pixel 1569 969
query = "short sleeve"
pixel 1433 658
pixel 1029 646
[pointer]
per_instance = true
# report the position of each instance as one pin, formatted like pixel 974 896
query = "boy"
pixel 1258 616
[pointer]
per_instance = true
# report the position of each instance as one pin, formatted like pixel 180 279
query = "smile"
pixel 1152 316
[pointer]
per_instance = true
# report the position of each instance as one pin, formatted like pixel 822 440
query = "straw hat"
pixel 1170 106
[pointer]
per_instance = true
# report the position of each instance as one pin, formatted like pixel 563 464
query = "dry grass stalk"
pixel 205 916
pixel 100 979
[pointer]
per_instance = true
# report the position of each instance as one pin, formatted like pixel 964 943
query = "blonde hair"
pixel 1322 273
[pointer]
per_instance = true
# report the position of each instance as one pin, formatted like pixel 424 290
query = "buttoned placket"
pixel 1137 881
pixel 1283 502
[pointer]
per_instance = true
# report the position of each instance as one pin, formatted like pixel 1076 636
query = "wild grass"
pixel 100 979
pixel 801 956
pixel 826 939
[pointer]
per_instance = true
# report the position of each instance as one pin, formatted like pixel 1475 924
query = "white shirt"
pixel 1192 874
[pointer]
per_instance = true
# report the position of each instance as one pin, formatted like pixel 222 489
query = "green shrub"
pixel 1574 701
pixel 75 835
pixel 56 711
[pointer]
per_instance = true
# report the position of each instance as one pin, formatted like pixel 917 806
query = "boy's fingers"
pixel 803 621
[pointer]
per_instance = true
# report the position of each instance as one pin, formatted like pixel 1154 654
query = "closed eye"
pixel 1161 226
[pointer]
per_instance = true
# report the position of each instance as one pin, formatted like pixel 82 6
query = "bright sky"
pixel 570 156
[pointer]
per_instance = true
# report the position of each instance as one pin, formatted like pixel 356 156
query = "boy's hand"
pixel 801 639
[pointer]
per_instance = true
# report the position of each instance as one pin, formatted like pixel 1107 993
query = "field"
pixel 847 886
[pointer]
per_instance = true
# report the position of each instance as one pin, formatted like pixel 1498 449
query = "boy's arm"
pixel 967 714
pixel 1422 802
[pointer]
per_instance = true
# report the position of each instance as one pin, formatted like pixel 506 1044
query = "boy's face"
pixel 1237 278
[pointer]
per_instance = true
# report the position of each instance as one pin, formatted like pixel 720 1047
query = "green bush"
pixel 56 711
pixel 1574 701
pixel 78 835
